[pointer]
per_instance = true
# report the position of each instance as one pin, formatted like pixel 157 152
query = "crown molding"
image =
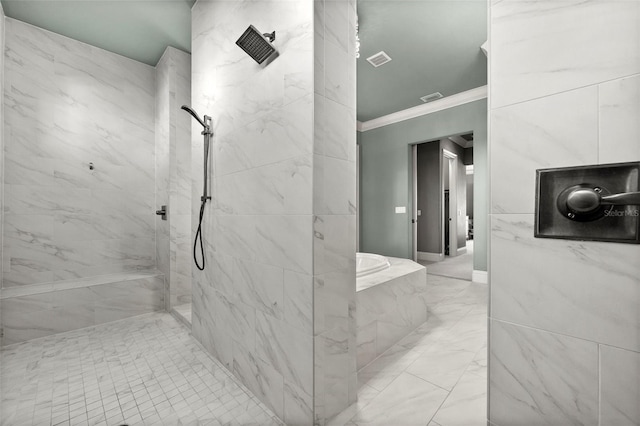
pixel 420 110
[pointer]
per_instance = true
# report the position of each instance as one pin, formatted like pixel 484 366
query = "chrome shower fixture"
pixel 205 122
pixel 257 45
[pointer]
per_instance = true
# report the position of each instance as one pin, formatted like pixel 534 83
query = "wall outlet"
pixel 401 209
pixel 419 212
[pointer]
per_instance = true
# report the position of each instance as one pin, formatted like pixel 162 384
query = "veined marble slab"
pixel 389 305
pixel 35 311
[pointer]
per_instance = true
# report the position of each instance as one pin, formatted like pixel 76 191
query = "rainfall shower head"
pixel 257 45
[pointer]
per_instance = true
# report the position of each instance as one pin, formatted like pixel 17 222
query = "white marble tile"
pixel 541 378
pixel 466 404
pixel 545 47
pixel 596 299
pixel 75 96
pixel 441 365
pixel 339 186
pixel 318 46
pixel 298 301
pixel 264 381
pixel 337 83
pixel 408 400
pixel 337 22
pixel 619 129
pixel 276 136
pixel 332 347
pixel 50 381
pixel 298 405
pixel 260 286
pixel 384 369
pixel 619 388
pixel 555 131
pixel 285 241
pixel 288 350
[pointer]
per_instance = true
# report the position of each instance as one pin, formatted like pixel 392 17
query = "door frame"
pixel 451 158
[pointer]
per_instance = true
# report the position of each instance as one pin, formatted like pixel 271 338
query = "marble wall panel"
pixel 72 104
pixel 619 128
pixel 334 208
pixel 388 311
pixel 554 131
pixel 587 290
pixel 619 388
pixel 580 107
pixel 42 314
pixel 531 384
pixel 541 48
pixel 173 172
pixel 263 225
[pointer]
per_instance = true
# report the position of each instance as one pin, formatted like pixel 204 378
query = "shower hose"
pixel 199 237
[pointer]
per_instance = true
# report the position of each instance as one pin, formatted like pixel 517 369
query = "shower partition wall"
pixel 173 175
pixel 79 242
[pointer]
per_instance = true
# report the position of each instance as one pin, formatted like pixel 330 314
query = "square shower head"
pixel 256 44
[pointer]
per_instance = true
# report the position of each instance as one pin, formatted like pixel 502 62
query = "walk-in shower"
pixel 207 132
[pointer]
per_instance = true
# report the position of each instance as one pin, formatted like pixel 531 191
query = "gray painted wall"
pixel 386 178
pixel 429 198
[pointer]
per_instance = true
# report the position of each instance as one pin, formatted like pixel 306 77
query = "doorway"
pixel 441 217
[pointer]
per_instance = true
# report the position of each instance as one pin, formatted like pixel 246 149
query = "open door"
pixel 449 203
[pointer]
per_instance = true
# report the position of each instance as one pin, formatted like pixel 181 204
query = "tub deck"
pixel 389 305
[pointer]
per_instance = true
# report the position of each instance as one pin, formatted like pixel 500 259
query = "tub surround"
pixel 389 305
pixel 564 324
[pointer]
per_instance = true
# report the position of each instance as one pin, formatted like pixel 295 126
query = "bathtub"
pixel 369 263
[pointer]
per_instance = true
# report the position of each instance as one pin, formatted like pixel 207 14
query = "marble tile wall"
pixel 279 232
pixel 252 305
pixel 68 104
pixel 334 192
pixel 389 308
pixel 173 173
pixel 2 43
pixel 565 334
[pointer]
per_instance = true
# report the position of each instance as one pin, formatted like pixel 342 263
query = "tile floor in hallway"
pixel 436 376
pixel 146 370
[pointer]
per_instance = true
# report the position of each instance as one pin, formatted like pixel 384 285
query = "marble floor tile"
pixel 139 371
pixel 466 404
pixel 435 376
pixel 442 365
pixel 408 400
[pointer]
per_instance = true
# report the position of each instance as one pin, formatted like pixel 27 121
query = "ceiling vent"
pixel 431 97
pixel 378 59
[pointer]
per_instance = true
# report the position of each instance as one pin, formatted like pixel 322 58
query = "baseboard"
pixel 430 257
pixel 481 277
pixel 460 251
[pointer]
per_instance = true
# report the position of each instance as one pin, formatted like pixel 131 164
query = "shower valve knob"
pixel 162 212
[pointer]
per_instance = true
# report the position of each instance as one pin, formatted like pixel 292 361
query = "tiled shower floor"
pixel 145 370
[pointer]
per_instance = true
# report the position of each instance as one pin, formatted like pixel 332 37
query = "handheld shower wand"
pixel 208 133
